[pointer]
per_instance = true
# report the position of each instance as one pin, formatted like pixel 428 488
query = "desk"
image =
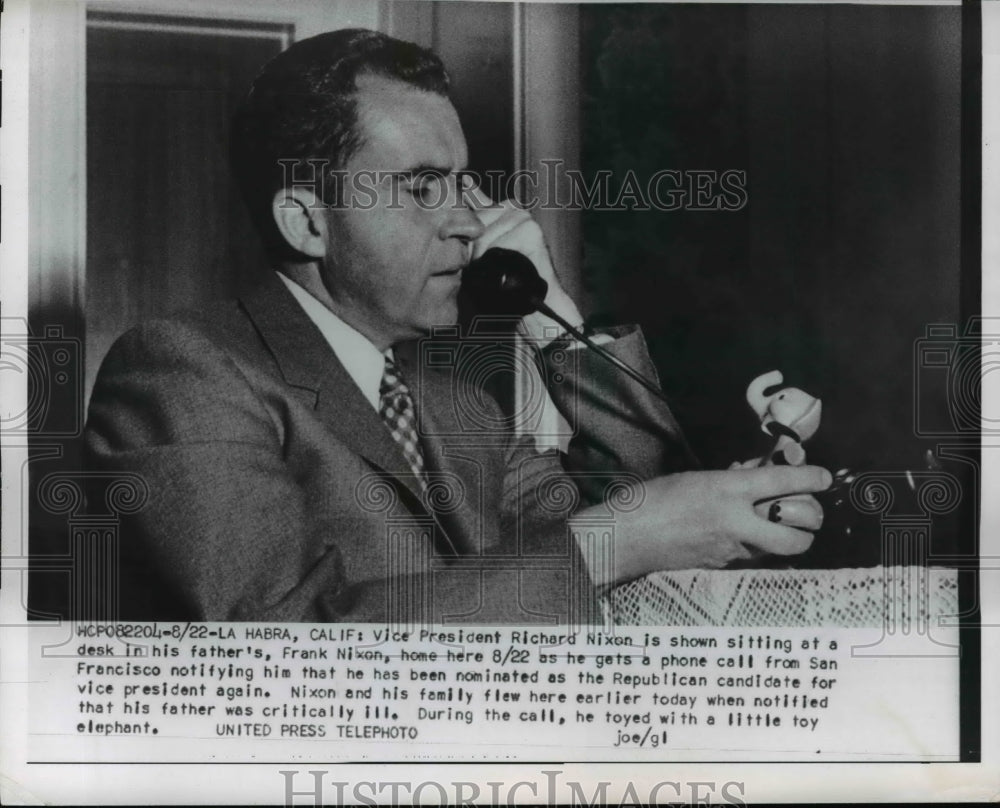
pixel 907 596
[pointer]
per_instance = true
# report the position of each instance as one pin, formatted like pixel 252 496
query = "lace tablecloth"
pixel 851 598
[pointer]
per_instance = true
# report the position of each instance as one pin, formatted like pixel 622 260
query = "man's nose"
pixel 461 221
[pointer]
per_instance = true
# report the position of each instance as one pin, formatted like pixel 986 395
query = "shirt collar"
pixel 360 358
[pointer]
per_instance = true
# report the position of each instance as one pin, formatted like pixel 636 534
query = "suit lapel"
pixel 447 449
pixel 307 362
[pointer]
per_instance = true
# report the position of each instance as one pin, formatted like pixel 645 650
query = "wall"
pixel 846 121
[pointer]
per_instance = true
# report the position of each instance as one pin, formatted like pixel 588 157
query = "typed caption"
pixel 369 691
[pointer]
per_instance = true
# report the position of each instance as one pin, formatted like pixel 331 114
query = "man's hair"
pixel 303 106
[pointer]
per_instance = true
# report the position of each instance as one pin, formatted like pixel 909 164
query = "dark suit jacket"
pixel 276 493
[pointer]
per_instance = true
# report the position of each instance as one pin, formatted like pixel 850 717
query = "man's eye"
pixel 429 188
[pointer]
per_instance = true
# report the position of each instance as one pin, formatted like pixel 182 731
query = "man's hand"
pixel 702 519
pixel 513 228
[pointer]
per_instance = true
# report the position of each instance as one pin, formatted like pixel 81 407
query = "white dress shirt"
pixel 361 359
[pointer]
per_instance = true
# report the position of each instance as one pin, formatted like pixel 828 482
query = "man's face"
pixel 396 248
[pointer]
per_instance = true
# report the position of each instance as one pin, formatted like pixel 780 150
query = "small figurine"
pixel 791 416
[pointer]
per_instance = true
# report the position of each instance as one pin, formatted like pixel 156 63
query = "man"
pixel 306 461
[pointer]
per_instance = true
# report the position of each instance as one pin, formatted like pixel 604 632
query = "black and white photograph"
pixel 541 401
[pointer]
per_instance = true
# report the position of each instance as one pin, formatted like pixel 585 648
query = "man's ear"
pixel 299 216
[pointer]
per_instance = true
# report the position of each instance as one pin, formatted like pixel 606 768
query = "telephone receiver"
pixel 506 282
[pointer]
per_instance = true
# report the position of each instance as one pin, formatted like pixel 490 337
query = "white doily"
pixel 851 598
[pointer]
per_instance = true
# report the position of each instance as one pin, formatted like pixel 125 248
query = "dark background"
pixel 166 228
pixel 846 121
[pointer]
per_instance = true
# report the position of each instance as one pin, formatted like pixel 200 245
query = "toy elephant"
pixel 788 414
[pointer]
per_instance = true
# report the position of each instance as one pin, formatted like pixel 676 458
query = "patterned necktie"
pixel 399 415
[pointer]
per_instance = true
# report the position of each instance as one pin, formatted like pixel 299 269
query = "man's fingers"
pixel 505 230
pixel 489 217
pixel 771 481
pixel 801 512
pixel 480 200
pixel 485 208
pixel 776 538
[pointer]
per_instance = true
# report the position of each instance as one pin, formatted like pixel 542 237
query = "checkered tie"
pixel 396 409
